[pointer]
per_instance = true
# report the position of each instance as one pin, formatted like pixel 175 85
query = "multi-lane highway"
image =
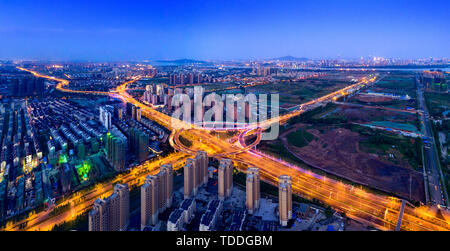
pixel 437 194
pixel 373 209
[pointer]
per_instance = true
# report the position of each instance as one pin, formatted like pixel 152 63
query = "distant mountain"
pixel 183 61
pixel 290 58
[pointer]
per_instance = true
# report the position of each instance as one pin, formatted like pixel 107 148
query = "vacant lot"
pixel 398 83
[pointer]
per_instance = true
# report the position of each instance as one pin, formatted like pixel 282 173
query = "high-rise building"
pixel 105 117
pixel 285 199
pixel 129 109
pixel 133 112
pixel 156 195
pixel 120 113
pixel 168 175
pixel 149 202
pixel 159 90
pixel 94 219
pixel 124 198
pixel 195 174
pixel 189 169
pixel 138 114
pixel 116 145
pixel 225 184
pixel 149 88
pixel 252 189
pixel 202 163
pixel 191 78
pixel 182 79
pixel 161 176
pixel 99 216
pixel 154 99
pixel 114 212
pixel 139 141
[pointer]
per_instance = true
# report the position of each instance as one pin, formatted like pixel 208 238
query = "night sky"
pixel 222 29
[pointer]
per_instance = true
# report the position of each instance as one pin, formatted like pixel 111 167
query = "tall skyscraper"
pixel 124 197
pixel 168 174
pixel 161 176
pixel 114 212
pixel 94 219
pixel 133 112
pixel 138 114
pixel 99 216
pixel 105 117
pixel 225 183
pixel 139 143
pixel 156 195
pixel 252 189
pixel 195 173
pixel 116 145
pixel 159 90
pixel 149 201
pixel 202 163
pixel 285 199
pixel 120 113
pixel 189 169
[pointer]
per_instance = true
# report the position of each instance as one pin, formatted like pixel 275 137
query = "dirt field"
pixel 364 115
pixel 337 152
pixel 372 99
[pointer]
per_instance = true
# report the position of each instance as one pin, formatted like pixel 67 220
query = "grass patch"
pixel 300 138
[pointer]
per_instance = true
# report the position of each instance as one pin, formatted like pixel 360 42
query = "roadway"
pixel 437 195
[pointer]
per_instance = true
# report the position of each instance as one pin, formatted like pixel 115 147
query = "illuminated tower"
pixel 168 170
pixel 133 112
pixel 285 199
pixel 225 183
pixel 189 169
pixel 105 117
pixel 94 219
pixel 202 164
pixel 114 212
pixel 161 176
pixel 252 189
pixel 149 202
pixel 138 114
pixel 124 197
pixel 99 216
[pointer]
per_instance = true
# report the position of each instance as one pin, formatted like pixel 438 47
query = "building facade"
pixel 252 190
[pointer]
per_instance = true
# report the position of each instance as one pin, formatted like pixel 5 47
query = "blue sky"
pixel 222 29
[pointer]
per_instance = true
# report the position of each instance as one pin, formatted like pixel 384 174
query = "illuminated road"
pixel 437 195
pixel 373 209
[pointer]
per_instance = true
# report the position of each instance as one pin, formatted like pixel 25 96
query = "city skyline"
pixel 219 30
